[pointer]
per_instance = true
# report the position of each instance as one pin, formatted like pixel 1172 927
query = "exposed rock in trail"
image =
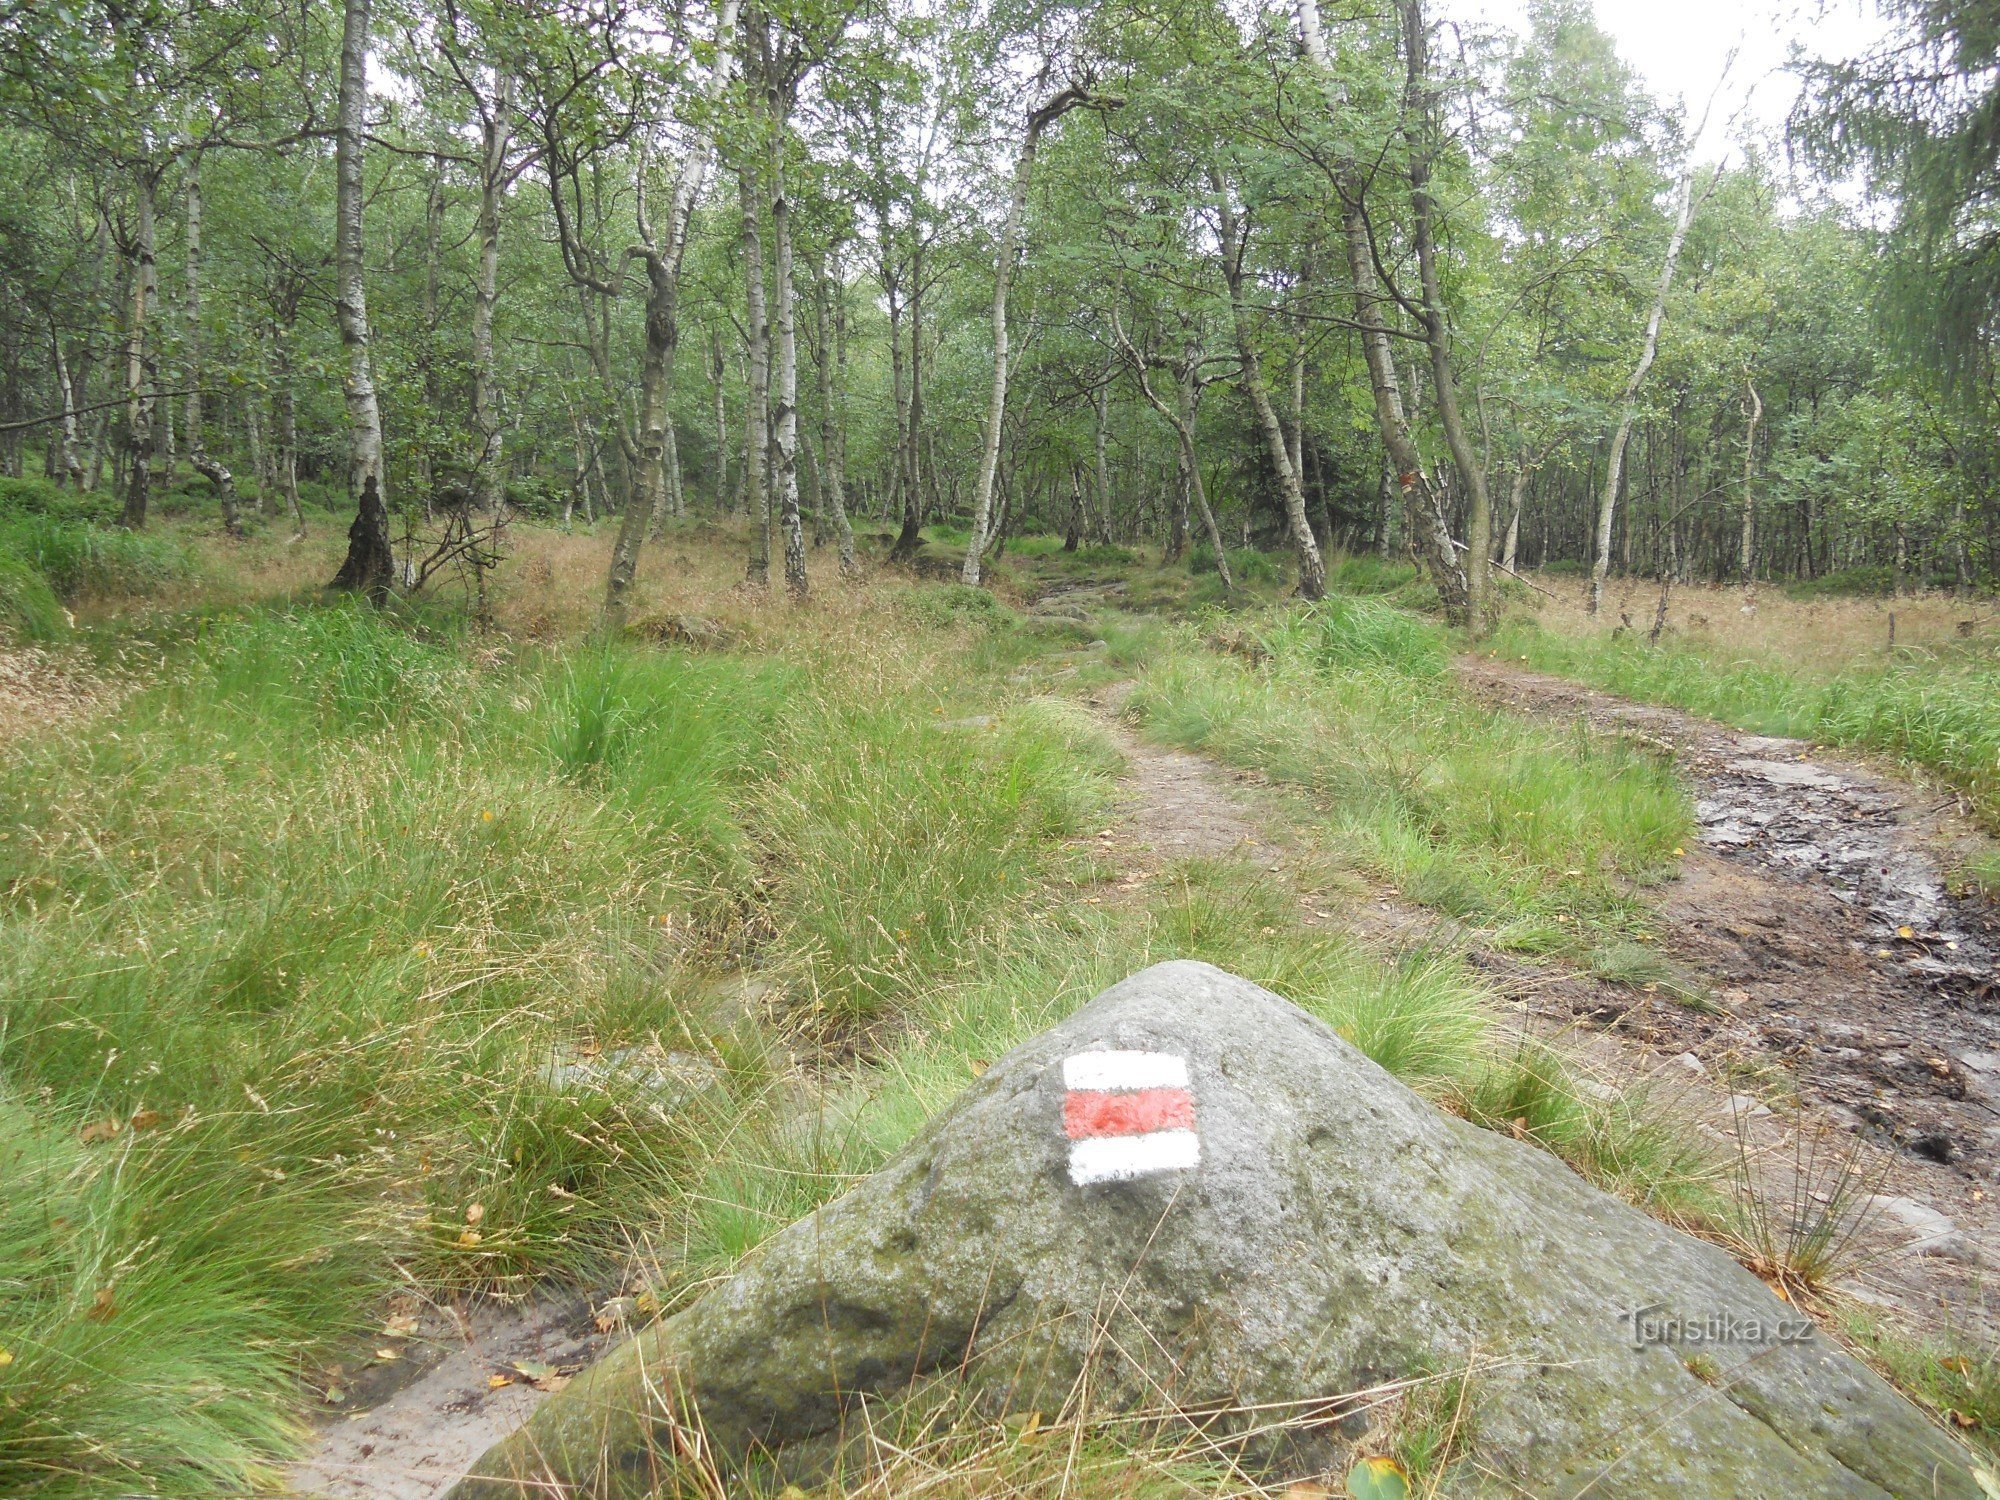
pixel 1816 904
pixel 1192 1193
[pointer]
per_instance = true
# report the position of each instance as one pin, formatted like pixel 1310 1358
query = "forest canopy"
pixel 1310 280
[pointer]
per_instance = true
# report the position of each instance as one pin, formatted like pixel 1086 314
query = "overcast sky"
pixel 1679 46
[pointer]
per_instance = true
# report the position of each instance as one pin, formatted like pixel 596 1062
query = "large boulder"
pixel 1193 1193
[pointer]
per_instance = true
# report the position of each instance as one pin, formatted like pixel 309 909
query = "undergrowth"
pixel 1541 835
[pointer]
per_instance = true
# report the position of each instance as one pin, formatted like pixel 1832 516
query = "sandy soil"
pixel 418 1423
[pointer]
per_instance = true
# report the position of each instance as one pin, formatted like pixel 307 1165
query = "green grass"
pixel 1940 715
pixel 316 957
pixel 309 922
pixel 1542 836
pixel 29 610
pixel 1950 1374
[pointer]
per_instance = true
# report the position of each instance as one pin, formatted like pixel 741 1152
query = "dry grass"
pixel 1817 637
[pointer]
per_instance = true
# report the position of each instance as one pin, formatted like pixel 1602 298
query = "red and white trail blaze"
pixel 1127 1114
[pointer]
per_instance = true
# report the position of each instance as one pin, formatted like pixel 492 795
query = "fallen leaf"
pixel 978 1066
pixel 497 1381
pixel 1378 1479
pixel 401 1326
pixel 1958 1364
pixel 146 1119
pixel 100 1130
pixel 613 1314
pixel 387 1354
pixel 1678 851
pixel 1964 1419
pixel 475 1213
pixel 6 1358
pixel 1307 1489
pixel 102 1306
pixel 467 1238
pixel 1906 932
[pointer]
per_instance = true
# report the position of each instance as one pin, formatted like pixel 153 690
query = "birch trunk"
pixel 370 565
pixel 716 369
pixel 1515 498
pixel 1628 412
pixel 756 435
pixel 1747 551
pixel 490 478
pixel 832 414
pixel 1003 274
pixel 143 253
pixel 662 253
pixel 1312 567
pixel 69 456
pixel 210 468
pixel 785 410
pixel 1422 504
pixel 288 428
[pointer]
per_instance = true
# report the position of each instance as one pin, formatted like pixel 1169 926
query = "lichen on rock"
pixel 1334 1232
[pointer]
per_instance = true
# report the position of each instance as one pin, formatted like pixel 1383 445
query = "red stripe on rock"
pixel 1088 1113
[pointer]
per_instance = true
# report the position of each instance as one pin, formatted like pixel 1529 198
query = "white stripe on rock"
pixel 1119 1158
pixel 1125 1070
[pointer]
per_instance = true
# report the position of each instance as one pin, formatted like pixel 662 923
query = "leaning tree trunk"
pixel 288 428
pixel 1312 567
pixel 1423 504
pixel 209 467
pixel 1039 120
pixel 69 456
pixel 1747 550
pixel 1629 410
pixel 145 275
pixel 663 254
pixel 1478 565
pixel 1519 493
pixel 370 566
pixel 488 474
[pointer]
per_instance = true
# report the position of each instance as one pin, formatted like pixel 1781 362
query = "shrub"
pixel 40 497
pixel 1340 632
pixel 1846 583
pixel 28 607
pixel 1246 564
pixel 82 559
pixel 950 603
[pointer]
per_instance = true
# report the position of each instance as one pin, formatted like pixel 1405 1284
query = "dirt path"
pixel 1815 903
pixel 1171 805
pixel 417 1423
pixel 1923 1230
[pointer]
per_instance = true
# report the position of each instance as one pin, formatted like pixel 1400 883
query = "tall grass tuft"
pixel 1540 834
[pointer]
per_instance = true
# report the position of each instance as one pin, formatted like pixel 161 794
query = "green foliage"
pixel 1345 634
pixel 1367 573
pixel 947 603
pixel 80 559
pixel 1846 583
pixel 39 497
pixel 29 610
pixel 1246 564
